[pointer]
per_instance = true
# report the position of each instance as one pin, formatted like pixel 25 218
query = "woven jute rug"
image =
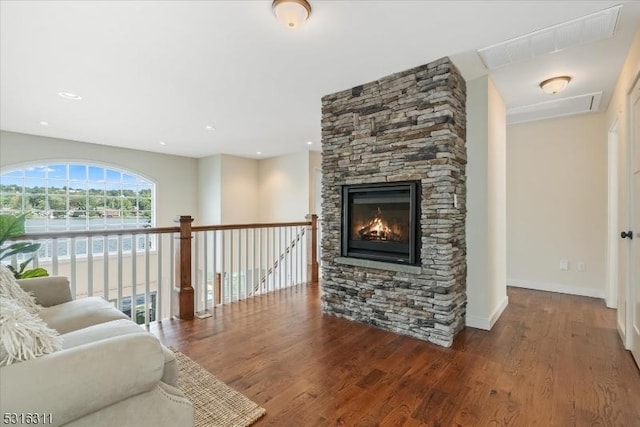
pixel 216 404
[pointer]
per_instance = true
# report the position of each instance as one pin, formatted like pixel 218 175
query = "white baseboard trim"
pixel 556 287
pixel 499 310
pixel 477 322
pixel 623 337
pixel 487 323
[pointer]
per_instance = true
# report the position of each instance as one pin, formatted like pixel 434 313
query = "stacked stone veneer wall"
pixel 407 126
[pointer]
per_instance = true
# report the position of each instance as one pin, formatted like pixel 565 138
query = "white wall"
pixel 497 184
pixel 486 204
pixel 228 190
pixel 557 201
pixel 239 181
pixel 315 165
pixel 209 191
pixel 618 111
pixel 284 188
pixel 175 177
pixel 237 190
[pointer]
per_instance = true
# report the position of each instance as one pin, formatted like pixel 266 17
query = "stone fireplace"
pixel 393 203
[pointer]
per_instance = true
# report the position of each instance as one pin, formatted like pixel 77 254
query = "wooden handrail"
pixel 250 226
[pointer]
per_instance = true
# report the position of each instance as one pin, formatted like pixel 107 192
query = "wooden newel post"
pixel 314 248
pixel 183 289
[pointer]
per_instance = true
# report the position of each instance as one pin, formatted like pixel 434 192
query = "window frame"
pixel 48 171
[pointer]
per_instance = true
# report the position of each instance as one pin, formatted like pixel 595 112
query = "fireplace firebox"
pixel 380 222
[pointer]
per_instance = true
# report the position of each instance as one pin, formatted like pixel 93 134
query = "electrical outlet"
pixel 564 265
pixel 581 266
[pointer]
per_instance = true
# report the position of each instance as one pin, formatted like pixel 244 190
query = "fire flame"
pixel 376 229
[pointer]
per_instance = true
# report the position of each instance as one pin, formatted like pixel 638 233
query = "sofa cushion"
pixel 23 335
pixel 80 313
pixel 116 328
pixel 48 291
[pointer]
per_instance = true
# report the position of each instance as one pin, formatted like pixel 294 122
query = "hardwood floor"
pixel 551 360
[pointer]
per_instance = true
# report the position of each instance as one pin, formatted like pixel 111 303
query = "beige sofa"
pixel 110 372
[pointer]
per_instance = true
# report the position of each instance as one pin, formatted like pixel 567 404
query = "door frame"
pixel 611 292
pixel 625 295
pixel 630 291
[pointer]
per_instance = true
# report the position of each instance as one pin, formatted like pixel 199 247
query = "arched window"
pixel 75 196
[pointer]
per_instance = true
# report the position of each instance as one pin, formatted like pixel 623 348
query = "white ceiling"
pixel 152 71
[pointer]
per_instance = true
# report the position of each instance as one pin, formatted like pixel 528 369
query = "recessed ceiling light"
pixel 44 123
pixel 209 127
pixel 69 95
pixel 258 152
pixel 309 143
pixel 163 143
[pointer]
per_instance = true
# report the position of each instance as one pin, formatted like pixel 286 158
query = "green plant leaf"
pixel 19 248
pixel 23 265
pixel 36 272
pixel 11 226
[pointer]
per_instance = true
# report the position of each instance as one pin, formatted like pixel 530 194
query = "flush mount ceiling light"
pixel 555 84
pixel 44 123
pixel 291 13
pixel 209 127
pixel 69 95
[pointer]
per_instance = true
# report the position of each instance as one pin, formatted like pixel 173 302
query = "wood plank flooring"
pixel 551 360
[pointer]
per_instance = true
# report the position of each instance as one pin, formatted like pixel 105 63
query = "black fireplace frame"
pixel 348 249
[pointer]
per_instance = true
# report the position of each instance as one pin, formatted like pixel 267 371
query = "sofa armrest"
pixel 73 383
pixel 51 290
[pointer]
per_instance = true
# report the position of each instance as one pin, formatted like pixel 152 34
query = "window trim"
pixel 88 183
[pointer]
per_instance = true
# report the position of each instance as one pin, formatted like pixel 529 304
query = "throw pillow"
pixel 23 335
pixel 9 288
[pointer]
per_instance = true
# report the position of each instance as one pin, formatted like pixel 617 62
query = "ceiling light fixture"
pixel 555 84
pixel 44 123
pixel 291 13
pixel 69 95
pixel 209 127
pixel 163 143
pixel 258 152
pixel 309 143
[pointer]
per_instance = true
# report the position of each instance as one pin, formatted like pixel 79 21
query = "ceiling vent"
pixel 556 108
pixel 580 31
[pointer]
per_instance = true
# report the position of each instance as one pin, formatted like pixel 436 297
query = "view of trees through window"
pixel 71 196
pixel 58 197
